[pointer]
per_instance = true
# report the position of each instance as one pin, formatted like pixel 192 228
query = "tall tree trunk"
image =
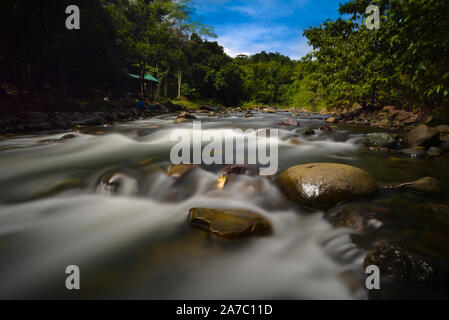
pixel 165 87
pixel 142 81
pixel 158 90
pixel 179 84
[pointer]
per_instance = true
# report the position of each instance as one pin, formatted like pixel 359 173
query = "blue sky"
pixel 250 26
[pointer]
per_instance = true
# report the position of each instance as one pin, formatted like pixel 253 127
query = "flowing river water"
pixel 135 241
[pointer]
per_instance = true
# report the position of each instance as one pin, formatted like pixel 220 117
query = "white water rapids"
pixel 137 243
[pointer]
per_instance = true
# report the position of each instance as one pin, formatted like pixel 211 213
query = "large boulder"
pixel 230 224
pixel 323 185
pixel 423 135
pixel 379 140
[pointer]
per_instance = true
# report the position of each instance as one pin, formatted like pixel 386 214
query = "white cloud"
pixel 252 38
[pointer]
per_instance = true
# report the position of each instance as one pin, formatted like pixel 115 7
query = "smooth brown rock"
pixel 230 224
pixel 323 185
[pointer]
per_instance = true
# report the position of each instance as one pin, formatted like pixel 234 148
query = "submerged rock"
pixel 422 135
pixel 230 224
pixel 323 185
pixel 325 128
pixel 178 170
pixel 308 131
pixel 182 120
pixel 436 210
pixel 60 187
pixel 186 115
pixel 60 140
pixel 423 185
pixel 434 152
pixel 237 169
pixel 379 140
pixel 363 217
pixel 117 183
pixel 413 152
pixel 444 128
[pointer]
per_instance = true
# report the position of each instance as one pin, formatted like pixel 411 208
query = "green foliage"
pixel 403 62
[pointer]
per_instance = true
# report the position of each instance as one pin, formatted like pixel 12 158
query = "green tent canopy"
pixel 148 77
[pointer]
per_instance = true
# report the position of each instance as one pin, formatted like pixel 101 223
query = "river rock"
pixel 207 108
pixel 331 120
pixel 117 183
pixel 422 135
pixel 434 151
pixel 444 128
pixel 237 169
pixel 396 261
pixel 178 170
pixel 60 187
pixel 186 115
pixel 323 185
pixel 325 128
pixel 363 217
pixel 290 123
pixel 230 224
pixel 435 210
pixel 424 185
pixel 269 110
pixel 308 131
pixel 379 140
pixel 182 120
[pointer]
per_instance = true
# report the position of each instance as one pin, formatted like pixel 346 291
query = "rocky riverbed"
pixel 108 199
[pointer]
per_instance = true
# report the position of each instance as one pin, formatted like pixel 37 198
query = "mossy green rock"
pixel 230 224
pixel 323 185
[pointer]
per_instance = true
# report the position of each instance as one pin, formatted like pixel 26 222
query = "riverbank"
pixel 397 130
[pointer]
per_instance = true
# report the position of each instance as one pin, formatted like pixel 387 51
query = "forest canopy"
pixel 404 62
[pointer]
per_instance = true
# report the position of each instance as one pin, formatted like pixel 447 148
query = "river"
pixel 134 241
